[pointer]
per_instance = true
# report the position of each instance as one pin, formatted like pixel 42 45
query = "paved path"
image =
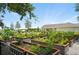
pixel 5 50
pixel 74 49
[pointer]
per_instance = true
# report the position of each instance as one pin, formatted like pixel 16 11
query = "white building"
pixel 63 27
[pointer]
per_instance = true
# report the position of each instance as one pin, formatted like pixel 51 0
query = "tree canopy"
pixel 27 24
pixel 77 7
pixel 1 24
pixel 17 25
pixel 23 9
pixel 77 10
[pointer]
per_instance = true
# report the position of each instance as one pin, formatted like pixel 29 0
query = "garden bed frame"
pixel 63 49
pixel 23 51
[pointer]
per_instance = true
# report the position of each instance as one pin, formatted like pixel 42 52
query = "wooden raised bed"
pixel 44 45
pixel 25 51
pixel 20 51
pixel 38 42
pixel 63 49
pixel 73 40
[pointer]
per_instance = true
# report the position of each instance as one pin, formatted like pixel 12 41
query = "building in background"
pixel 63 27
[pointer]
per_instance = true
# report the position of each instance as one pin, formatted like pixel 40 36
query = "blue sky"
pixel 47 13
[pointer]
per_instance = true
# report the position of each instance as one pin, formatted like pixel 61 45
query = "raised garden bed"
pixel 26 49
pixel 63 48
pixel 38 42
pixel 72 41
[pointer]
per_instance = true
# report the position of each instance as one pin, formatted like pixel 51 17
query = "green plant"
pixel 7 34
pixel 63 42
pixel 0 37
pixel 40 50
pixel 76 33
pixel 20 8
pixel 68 34
pixel 45 50
pixel 45 40
pixel 34 48
pixel 20 35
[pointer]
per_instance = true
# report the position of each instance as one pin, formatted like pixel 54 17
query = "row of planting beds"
pixel 32 49
pixel 63 44
pixel 39 42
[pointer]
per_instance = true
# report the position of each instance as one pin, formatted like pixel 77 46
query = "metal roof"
pixel 63 25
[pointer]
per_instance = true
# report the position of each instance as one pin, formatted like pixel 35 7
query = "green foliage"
pixel 63 42
pixel 20 35
pixel 68 34
pixel 34 48
pixel 45 51
pixel 76 33
pixel 35 33
pixel 7 34
pixel 40 50
pixel 27 24
pixel 78 17
pixel 50 41
pixel 77 7
pixel 60 38
pixel 51 37
pixel 22 9
pixel 45 40
pixel 1 24
pixel 0 37
pixel 56 37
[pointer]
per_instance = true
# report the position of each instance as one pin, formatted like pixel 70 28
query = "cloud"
pixel 72 19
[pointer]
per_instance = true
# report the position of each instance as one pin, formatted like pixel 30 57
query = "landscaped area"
pixel 38 42
pixel 31 36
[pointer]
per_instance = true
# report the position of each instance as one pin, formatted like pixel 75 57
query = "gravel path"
pixel 74 49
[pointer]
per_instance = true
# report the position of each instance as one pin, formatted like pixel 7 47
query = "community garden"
pixel 38 41
pixel 33 41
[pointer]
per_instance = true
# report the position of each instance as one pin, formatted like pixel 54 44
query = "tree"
pixel 12 26
pixel 1 24
pixel 77 7
pixel 27 24
pixel 77 10
pixel 23 9
pixel 17 25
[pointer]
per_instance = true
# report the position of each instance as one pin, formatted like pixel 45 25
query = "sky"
pixel 47 13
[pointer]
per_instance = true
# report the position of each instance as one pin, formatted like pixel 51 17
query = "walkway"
pixel 74 49
pixel 5 50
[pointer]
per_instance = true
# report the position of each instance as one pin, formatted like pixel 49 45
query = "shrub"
pixel 40 50
pixel 7 34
